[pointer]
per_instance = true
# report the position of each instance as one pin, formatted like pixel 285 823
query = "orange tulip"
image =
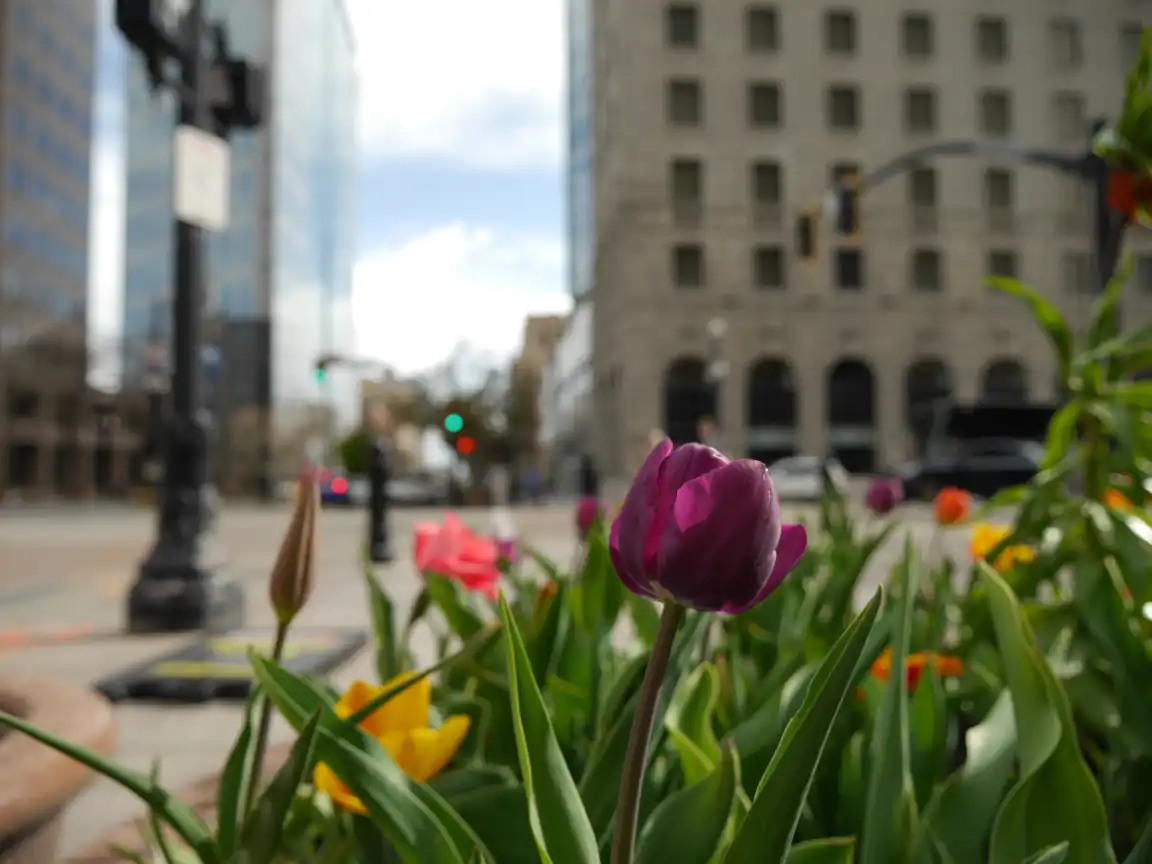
pixel 914 665
pixel 952 506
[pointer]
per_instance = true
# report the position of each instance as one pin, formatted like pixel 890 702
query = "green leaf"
pixel 559 822
pixel 767 832
pixel 959 817
pixel 1103 325
pixel 384 635
pixel 546 645
pixel 1142 854
pixel 1055 798
pixel 889 757
pixel 688 826
pixel 601 591
pixel 1047 315
pixel 1052 855
pixel 180 817
pixel 601 780
pixel 456 604
pixel 833 850
pixel 413 818
pixel 232 791
pixel 645 616
pixel 689 720
pixel 499 816
pixel 265 824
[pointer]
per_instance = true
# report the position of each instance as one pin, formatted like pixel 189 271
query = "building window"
pixel 682 22
pixel 1067 44
pixel 996 113
pixel 765 106
pixel 998 189
pixel 916 36
pixel 920 110
pixel 1070 115
pixel 992 40
pixel 763 29
pixel 685 103
pixel 1002 263
pixel 767 192
pixel 688 265
pixel 686 179
pixel 849 269
pixel 922 187
pixel 1077 271
pixel 926 272
pixel 844 107
pixel 1130 35
pixel 840 32
pixel 768 268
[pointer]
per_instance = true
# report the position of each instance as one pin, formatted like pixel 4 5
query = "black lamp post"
pixel 180 586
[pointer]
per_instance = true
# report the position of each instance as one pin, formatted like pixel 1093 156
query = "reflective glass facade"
pixel 47 54
pixel 581 148
pixel 281 274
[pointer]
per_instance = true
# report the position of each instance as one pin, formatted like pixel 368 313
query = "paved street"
pixel 65 575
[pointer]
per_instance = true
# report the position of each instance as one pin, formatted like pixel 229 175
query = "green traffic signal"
pixel 453 423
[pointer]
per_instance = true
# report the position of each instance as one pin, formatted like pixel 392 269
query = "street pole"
pixel 181 584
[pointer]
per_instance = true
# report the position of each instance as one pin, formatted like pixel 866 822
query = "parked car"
pixel 982 466
pixel 801 478
pixel 341 491
pixel 418 492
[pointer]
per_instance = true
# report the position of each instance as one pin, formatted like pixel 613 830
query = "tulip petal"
pixel 791 548
pixel 718 548
pixel 404 712
pixel 358 694
pixel 432 749
pixel 636 584
pixel 631 527
pixel 326 781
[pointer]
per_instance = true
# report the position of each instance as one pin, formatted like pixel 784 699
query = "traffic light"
pixel 453 423
pixel 848 206
pixel 806 229
pixel 465 446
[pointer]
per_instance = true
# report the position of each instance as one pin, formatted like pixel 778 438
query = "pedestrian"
pixel 589 479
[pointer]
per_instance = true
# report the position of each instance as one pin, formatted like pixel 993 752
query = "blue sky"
pixel 461 226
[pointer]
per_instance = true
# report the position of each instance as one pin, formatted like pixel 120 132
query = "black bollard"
pixel 379 536
pixel 589 477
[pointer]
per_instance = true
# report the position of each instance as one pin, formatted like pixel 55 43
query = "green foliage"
pixel 356 452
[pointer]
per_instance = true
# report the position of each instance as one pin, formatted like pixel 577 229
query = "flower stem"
pixel 632 779
pixel 264 723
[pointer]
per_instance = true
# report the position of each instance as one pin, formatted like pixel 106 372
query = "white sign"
pixel 201 174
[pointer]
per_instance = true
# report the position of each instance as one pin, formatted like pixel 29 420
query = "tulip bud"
pixel 703 531
pixel 884 495
pixel 588 510
pixel 292 576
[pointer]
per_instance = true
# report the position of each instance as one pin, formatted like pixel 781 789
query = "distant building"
pixel 699 132
pixel 525 383
pixel 280 276
pixel 57 436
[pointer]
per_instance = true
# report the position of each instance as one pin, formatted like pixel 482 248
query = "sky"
pixel 461 141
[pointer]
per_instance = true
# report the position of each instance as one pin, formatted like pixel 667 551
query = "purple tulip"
pixel 884 495
pixel 588 510
pixel 507 550
pixel 703 531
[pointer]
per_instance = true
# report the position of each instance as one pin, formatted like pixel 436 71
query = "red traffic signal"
pixel 465 446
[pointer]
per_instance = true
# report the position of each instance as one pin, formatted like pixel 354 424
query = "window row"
pixel 918 35
pixel 684 107
pixel 686 185
pixel 925 272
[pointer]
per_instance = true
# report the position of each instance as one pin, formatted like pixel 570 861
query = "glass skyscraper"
pixel 280 276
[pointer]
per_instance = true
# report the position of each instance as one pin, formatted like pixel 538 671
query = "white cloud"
pixel 417 301
pixel 480 83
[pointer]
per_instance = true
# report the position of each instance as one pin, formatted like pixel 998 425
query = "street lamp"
pixel 179 585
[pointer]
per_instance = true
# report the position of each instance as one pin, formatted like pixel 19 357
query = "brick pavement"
pixel 80 583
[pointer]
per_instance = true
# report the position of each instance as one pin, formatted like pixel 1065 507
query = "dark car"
pixel 982 467
pixel 979 448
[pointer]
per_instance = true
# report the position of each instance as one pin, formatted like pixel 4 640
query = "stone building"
pixel 700 131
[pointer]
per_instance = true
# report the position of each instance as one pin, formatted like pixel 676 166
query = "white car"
pixel 801 478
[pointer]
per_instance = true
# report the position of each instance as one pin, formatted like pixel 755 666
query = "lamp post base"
pixel 172 598
pixel 380 551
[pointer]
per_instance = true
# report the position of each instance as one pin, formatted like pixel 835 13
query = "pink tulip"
pixel 453 550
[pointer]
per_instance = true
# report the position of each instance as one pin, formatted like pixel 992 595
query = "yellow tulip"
pixel 986 537
pixel 401 725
